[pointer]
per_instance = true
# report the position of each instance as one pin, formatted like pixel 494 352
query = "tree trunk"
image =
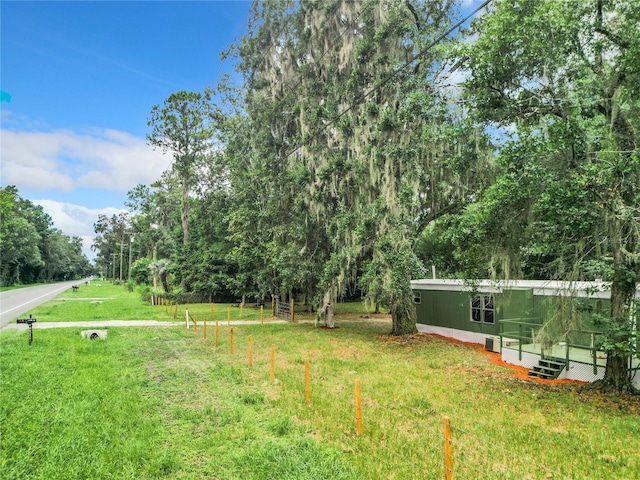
pixel 184 218
pixel 617 376
pixel 184 210
pixel 165 283
pixel 403 314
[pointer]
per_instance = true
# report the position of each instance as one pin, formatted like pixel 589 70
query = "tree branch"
pixel 615 39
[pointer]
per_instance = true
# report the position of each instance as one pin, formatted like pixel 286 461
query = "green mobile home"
pixel 550 327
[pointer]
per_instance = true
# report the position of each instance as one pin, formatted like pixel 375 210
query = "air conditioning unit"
pixel 492 344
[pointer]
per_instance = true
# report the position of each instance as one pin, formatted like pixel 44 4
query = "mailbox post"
pixel 29 321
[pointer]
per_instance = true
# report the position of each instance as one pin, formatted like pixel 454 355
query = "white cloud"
pixel 76 220
pixel 64 160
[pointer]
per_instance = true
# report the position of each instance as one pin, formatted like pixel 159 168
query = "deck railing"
pixel 524 331
pixel 521 330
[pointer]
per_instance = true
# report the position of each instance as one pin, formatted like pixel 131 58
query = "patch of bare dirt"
pixel 347 353
pixel 413 339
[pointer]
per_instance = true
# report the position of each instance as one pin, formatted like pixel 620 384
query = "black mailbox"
pixel 29 321
pixel 26 320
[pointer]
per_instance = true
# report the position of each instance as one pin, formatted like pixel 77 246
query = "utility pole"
pixel 155 275
pixel 154 226
pixel 130 248
pixel 113 265
pixel 121 251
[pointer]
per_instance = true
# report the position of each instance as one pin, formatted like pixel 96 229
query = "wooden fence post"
pixel 448 450
pixel 307 382
pixel 186 317
pixel 273 363
pixel 358 409
pixel 175 313
pixel 293 310
pixel 204 328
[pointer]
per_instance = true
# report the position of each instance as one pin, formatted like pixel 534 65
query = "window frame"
pixel 482 309
pixel 417 295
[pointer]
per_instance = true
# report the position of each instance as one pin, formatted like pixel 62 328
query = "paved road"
pixel 14 303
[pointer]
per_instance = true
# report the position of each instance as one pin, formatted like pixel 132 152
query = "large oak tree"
pixel 345 95
pixel 560 78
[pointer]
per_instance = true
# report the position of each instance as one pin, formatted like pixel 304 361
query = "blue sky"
pixel 83 77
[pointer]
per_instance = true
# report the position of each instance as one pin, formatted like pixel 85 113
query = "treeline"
pixel 372 139
pixel 32 250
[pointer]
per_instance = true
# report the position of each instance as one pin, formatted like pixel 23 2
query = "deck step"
pixel 547 368
pixel 551 363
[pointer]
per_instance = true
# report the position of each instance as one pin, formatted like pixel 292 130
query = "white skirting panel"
pixel 583 372
pixel 529 360
pixel 461 335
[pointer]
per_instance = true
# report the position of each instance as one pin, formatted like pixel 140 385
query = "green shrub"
pixel 140 272
pixel 145 292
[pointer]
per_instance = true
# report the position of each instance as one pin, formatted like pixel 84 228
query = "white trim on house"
pixel 540 287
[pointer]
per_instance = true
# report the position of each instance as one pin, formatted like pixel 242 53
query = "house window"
pixel 417 297
pixel 482 309
pixel 476 309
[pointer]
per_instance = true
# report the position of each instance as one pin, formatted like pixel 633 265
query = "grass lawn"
pixel 220 312
pixel 98 301
pixel 165 403
pixel 105 301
